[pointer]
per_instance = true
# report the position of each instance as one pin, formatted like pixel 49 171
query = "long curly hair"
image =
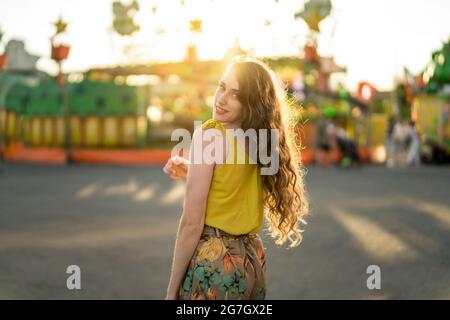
pixel 265 106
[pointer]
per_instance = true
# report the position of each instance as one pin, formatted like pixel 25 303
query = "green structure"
pixel 437 74
pixel 101 113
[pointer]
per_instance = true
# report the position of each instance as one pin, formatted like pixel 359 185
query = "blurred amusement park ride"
pixel 106 114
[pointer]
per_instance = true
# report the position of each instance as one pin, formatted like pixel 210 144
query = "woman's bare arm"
pixel 192 220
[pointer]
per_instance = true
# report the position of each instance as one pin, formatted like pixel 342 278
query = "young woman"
pixel 218 253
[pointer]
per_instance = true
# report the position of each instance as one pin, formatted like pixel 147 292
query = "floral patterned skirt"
pixel 225 267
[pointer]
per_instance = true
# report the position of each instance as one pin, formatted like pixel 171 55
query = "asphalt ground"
pixel 118 224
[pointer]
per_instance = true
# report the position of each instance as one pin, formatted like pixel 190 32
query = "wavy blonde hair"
pixel 265 106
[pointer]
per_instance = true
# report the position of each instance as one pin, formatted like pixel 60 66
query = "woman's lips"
pixel 220 110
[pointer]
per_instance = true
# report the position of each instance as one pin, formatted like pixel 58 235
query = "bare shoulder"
pixel 209 146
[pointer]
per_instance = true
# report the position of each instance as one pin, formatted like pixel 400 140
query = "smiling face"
pixel 227 107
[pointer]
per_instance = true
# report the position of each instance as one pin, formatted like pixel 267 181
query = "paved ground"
pixel 118 224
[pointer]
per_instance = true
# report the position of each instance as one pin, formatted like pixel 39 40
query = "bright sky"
pixel 374 39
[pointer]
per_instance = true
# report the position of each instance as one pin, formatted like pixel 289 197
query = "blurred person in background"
pixel 323 146
pixel 413 155
pixel 348 149
pixel 218 253
pixel 326 140
pixel 396 139
pixel 389 141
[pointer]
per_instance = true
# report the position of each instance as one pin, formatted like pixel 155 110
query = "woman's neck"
pixel 229 125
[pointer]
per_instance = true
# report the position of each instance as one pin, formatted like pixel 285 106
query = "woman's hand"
pixel 176 167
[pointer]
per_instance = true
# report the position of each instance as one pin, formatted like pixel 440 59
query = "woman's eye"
pixel 222 87
pixel 234 95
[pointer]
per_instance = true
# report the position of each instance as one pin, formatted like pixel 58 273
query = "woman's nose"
pixel 221 99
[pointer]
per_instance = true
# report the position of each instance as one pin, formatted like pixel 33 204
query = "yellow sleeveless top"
pixel 235 198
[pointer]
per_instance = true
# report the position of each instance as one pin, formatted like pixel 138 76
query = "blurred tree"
pixel 314 12
pixel 441 59
pixel 437 73
pixel 123 22
pixel 2 56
